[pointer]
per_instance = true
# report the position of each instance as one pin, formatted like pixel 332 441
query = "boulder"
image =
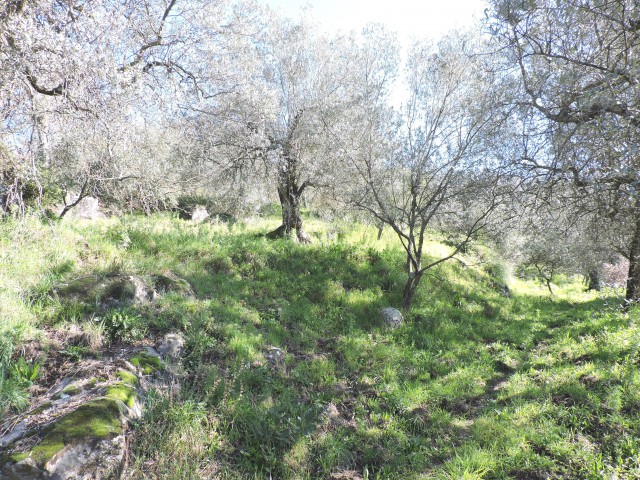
pixel 88 208
pixel 391 317
pixel 193 211
pixel 77 428
pixel 199 214
pixel 76 432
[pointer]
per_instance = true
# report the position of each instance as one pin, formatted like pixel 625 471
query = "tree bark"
pixel 633 278
pixel 594 279
pixel 290 196
pixel 410 291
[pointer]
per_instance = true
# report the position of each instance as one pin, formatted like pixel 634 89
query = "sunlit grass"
pixel 472 385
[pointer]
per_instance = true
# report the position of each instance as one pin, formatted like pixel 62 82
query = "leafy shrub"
pixel 25 372
pixel 122 325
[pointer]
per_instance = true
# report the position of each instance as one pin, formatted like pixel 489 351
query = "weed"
pixel 122 325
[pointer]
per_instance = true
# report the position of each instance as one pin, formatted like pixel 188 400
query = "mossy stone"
pixel 123 392
pixel 71 390
pixel 147 363
pixel 87 288
pixel 128 377
pixel 97 419
pixel 170 283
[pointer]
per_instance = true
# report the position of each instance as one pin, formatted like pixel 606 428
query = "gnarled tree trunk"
pixel 289 188
pixel 290 195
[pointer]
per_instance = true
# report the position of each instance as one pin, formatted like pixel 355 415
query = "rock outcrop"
pixel 77 428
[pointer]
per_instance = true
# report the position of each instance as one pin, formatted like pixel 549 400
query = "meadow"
pixel 472 385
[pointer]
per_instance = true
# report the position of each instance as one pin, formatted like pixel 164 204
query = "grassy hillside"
pixel 473 385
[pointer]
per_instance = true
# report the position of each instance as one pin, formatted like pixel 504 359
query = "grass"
pixel 473 385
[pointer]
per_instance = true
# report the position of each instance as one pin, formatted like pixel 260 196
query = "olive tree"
pixel 299 91
pixel 94 65
pixel 432 164
pixel 578 66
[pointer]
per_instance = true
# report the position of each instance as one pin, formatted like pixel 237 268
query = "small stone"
pixel 172 346
pixel 275 357
pixel 391 317
pixel 152 352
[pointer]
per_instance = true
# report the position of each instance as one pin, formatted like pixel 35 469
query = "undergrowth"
pixel 472 385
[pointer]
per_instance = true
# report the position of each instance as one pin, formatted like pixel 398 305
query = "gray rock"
pixel 79 437
pixel 172 346
pixel 391 317
pixel 88 208
pixel 276 358
pixel 152 352
pixel 99 459
pixel 199 214
pixel 15 434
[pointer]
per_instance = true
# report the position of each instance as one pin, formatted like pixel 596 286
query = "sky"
pixel 409 18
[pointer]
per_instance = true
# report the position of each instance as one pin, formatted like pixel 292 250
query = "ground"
pixel 472 385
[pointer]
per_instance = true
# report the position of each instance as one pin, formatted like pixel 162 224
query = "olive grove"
pixel 141 102
pixel 577 64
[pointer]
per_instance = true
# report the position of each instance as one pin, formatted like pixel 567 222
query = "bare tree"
pixel 432 167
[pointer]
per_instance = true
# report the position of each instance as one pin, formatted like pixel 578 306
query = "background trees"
pixel 140 102
pixel 578 66
pixel 109 70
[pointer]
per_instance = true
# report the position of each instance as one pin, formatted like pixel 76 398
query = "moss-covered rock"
pixel 84 443
pixel 147 363
pixel 172 283
pixel 122 392
pixel 86 440
pixel 128 377
pixel 71 389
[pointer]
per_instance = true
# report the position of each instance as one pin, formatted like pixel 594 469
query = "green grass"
pixel 473 385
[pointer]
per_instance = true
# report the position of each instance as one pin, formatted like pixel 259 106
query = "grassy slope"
pixel 472 386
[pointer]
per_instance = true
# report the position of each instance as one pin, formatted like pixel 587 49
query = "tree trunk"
pixel 290 196
pixel 633 278
pixel 594 279
pixel 410 291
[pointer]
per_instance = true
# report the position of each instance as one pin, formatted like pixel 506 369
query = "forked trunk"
pixel 410 291
pixel 290 196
